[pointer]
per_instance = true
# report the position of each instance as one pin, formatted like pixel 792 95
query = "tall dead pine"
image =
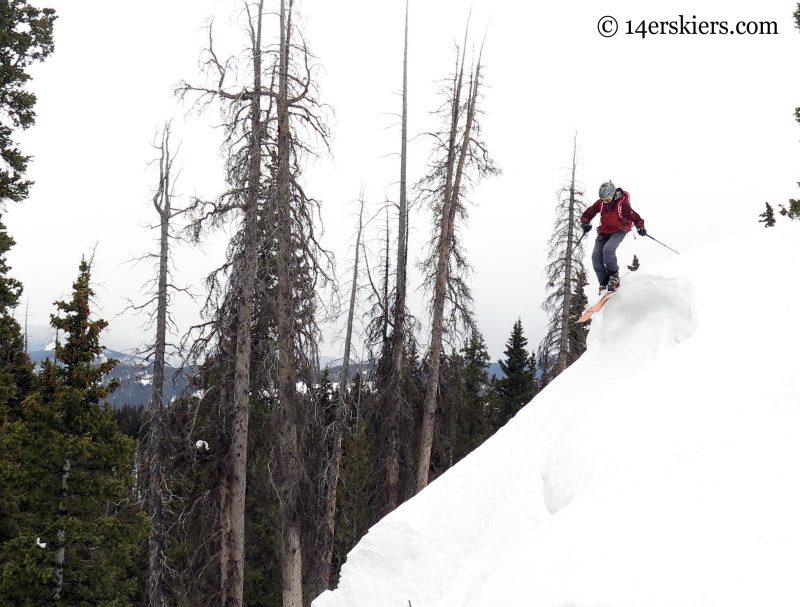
pixel 157 563
pixel 558 350
pixel 335 464
pixel 460 159
pixel 245 123
pixel 393 395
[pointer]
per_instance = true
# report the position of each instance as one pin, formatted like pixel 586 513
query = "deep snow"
pixel 662 468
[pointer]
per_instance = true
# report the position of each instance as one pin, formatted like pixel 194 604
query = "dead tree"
pixel 395 397
pixel 335 464
pixel 269 126
pixel 557 352
pixel 388 432
pixel 156 564
pixel 245 124
pixel 459 160
pixel 389 332
pixel 156 308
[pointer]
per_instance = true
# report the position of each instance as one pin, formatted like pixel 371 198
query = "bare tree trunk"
pixel 291 554
pixel 563 349
pixel 444 250
pixel 233 570
pixel 341 410
pixel 161 201
pixel 396 398
pixel 58 571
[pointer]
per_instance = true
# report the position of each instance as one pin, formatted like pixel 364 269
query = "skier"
pixel 616 219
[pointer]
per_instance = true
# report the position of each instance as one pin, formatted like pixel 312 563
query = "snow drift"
pixel 662 468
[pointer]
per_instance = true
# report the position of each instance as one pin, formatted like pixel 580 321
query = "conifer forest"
pixel 249 483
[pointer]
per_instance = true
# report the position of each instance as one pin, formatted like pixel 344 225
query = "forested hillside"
pixel 211 459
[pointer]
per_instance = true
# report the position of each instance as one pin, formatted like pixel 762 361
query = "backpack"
pixel 628 225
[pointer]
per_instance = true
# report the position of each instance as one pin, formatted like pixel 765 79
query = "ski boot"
pixel 613 282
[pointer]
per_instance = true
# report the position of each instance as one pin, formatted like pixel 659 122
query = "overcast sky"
pixel 699 129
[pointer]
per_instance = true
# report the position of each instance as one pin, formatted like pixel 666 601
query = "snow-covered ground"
pixel 662 468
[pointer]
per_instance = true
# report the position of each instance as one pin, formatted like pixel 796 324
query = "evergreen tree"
pixel 579 303
pixel 474 424
pixel 130 420
pixel 16 379
pixel 26 36
pixel 449 408
pixel 767 217
pixel 793 212
pixel 519 385
pixel 357 502
pixel 634 264
pixel 16 370
pixel 69 471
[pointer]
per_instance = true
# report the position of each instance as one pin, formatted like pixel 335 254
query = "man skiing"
pixel 616 219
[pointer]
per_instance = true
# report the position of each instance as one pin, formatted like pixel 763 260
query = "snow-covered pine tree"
pixel 68 468
pixel 566 255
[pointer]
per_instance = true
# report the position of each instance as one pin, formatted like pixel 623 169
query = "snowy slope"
pixel 662 468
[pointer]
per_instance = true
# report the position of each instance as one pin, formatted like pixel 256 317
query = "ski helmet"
pixel 607 190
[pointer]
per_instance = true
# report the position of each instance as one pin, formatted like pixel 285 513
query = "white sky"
pixel 699 129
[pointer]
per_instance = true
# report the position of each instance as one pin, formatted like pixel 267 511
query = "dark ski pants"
pixel 604 256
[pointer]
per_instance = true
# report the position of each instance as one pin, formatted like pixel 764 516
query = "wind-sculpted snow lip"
pixel 669 454
pixel 647 317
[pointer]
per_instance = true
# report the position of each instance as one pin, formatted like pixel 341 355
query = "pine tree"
pixel 69 471
pixel 474 423
pixel 26 36
pixel 16 370
pixel 634 264
pixel 16 380
pixel 519 385
pixel 355 507
pixel 793 212
pixel 767 217
pixel 579 331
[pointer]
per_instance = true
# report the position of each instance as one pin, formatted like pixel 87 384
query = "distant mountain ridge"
pixel 135 374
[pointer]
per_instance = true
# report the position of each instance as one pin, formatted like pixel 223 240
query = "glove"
pixel 587 226
pixel 642 231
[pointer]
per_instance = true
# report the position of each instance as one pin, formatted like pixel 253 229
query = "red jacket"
pixel 616 216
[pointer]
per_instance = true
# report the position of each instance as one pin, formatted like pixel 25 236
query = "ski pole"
pixel 662 244
pixel 577 243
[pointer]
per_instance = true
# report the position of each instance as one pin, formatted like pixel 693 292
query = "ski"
pixel 597 306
